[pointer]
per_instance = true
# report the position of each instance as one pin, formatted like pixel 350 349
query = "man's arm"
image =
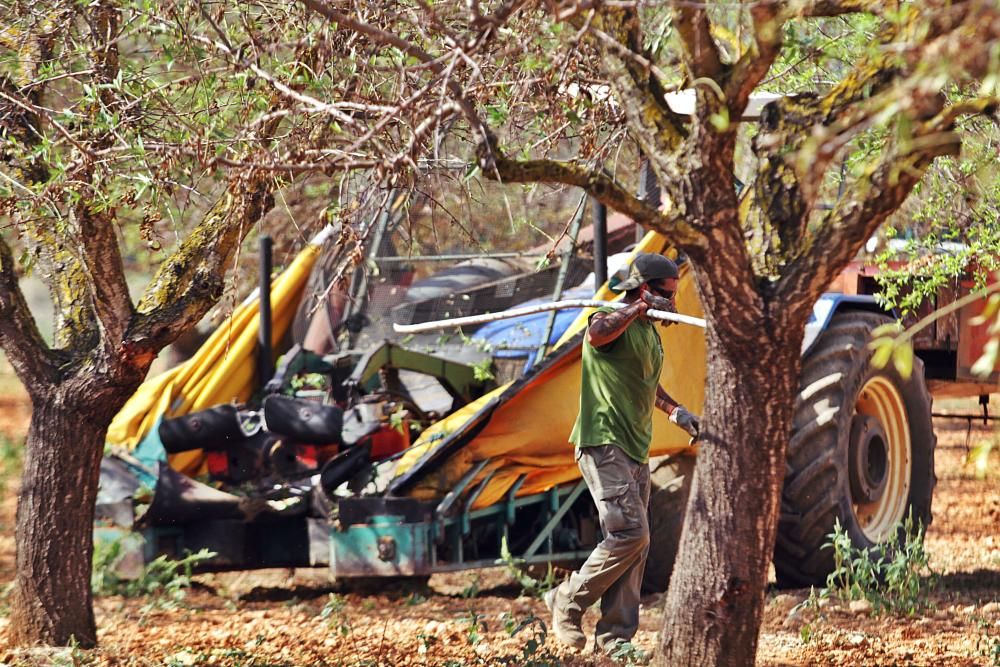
pixel 677 413
pixel 664 401
pixel 605 328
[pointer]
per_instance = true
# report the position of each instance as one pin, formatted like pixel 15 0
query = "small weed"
pixel 414 599
pixel 164 580
pixel 894 578
pixel 530 586
pixel 987 643
pixel 426 642
pixel 629 654
pixel 482 371
pixel 805 633
pixel 475 626
pixel 472 590
pixel 335 613
pixel 5 592
pixel 532 654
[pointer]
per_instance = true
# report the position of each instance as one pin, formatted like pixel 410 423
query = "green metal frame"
pixel 412 548
pixel 457 378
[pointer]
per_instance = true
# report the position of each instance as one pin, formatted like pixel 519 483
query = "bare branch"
pixel 597 183
pixel 384 37
pixel 189 283
pixel 830 8
pixel 635 82
pixel 701 55
pixel 103 261
pixel 20 339
pixel 753 65
pixel 99 249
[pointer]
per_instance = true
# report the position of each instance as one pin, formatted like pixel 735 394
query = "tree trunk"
pixel 51 601
pixel 715 601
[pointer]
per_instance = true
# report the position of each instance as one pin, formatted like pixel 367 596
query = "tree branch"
pixel 701 55
pixel 598 184
pixel 869 202
pixel 102 260
pixel 753 65
pixel 831 8
pixel 189 283
pixel 436 65
pixel 100 253
pixel 20 339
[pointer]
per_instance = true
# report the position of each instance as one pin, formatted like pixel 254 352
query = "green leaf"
pixel 882 355
pixel 989 311
pixel 720 121
pixel 979 457
pixel 902 359
pixel 887 329
pixel 988 361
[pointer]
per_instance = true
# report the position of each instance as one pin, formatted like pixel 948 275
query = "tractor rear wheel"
pixel 861 452
pixel 670 482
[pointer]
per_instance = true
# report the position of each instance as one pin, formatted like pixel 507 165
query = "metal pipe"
pixel 600 218
pixel 359 283
pixel 456 258
pixel 265 360
pixel 540 308
pixel 985 418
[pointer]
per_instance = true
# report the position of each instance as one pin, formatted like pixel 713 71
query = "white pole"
pixel 540 308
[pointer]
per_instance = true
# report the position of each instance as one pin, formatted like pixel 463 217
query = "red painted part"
pixel 388 441
pixel 308 455
pixel 218 463
pixel 858 277
pixel 973 337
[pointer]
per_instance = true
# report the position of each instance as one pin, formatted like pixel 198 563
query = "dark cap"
pixel 645 267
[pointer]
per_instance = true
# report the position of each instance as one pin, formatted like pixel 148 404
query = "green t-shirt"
pixel 618 391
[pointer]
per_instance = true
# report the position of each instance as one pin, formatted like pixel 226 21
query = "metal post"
pixel 574 231
pixel 265 360
pixel 599 214
pixel 359 284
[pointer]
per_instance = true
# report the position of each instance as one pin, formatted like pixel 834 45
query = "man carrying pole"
pixel 622 359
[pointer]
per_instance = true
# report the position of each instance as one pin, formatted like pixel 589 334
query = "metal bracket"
pixel 452 497
pixel 511 508
pixel 546 531
pixel 467 507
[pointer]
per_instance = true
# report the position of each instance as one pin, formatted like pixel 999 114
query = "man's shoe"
pixel 565 627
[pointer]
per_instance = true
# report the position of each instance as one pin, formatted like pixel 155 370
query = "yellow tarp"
pixel 528 434
pixel 222 371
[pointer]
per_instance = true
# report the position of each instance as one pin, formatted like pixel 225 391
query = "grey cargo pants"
pixel 613 571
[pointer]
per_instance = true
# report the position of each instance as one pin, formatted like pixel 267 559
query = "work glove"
pixel 685 420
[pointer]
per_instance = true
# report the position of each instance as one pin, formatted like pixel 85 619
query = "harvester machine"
pixel 383 456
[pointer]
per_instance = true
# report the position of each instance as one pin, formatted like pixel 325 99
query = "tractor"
pixel 384 457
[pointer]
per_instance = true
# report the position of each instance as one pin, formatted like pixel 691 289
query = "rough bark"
pixel 55 509
pixel 715 601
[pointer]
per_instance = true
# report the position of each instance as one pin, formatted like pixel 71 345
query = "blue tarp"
pixel 519 337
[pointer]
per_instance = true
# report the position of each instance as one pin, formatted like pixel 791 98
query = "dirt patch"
pixel 282 617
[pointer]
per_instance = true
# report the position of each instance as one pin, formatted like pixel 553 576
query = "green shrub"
pixel 533 653
pixel 164 579
pixel 893 577
pixel 335 614
pixel 530 586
